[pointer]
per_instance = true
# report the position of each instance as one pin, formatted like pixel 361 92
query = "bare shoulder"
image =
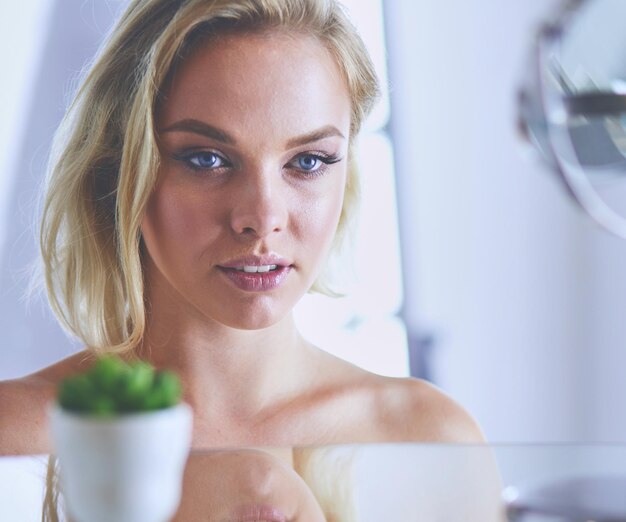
pixel 376 408
pixel 415 410
pixel 23 407
pixel 23 425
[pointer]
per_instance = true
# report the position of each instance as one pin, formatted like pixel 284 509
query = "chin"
pixel 252 319
pixel 251 325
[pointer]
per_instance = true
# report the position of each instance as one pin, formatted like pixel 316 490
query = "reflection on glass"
pixel 241 485
pixel 245 485
pixel 364 483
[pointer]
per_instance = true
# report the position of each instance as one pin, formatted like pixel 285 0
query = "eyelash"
pixel 187 159
pixel 326 159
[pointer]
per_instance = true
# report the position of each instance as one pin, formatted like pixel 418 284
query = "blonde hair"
pixel 328 472
pixel 105 157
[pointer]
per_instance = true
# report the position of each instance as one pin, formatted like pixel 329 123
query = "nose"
pixel 259 205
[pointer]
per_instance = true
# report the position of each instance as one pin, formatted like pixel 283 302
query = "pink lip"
pixel 261 512
pixel 257 281
pixel 252 260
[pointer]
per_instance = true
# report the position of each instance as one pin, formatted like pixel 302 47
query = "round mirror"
pixel 573 107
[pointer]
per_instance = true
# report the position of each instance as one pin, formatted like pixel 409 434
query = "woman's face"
pixel 253 134
pixel 245 486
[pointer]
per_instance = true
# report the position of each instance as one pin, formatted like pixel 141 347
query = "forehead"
pixel 259 82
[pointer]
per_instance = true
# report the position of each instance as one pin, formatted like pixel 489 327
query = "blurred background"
pixel 473 269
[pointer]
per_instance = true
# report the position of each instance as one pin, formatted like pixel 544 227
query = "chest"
pixel 337 420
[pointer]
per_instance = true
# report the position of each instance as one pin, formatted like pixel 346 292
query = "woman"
pixel 200 179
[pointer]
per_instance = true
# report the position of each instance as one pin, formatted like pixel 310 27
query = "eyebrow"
pixel 325 132
pixel 204 129
pixel 199 127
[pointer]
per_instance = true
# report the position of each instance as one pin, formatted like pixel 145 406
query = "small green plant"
pixel 111 387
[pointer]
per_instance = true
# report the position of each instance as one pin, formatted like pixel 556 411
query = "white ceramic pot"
pixel 124 469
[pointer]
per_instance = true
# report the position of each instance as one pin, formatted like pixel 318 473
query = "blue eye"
pixel 313 164
pixel 205 160
pixel 308 162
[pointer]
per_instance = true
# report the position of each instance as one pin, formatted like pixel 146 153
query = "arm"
pixel 23 416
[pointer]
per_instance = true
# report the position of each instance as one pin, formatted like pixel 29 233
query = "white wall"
pixel 524 295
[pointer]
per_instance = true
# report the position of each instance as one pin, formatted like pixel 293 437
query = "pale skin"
pixel 265 121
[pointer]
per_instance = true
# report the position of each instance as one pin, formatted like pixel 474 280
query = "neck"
pixel 226 372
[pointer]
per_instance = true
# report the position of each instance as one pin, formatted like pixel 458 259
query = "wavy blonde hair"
pixel 105 156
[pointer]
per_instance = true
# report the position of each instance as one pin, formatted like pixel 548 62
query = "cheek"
pixel 319 219
pixel 174 220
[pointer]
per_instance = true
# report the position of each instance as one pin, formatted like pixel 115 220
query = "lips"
pixel 256 261
pixel 256 513
pixel 256 273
